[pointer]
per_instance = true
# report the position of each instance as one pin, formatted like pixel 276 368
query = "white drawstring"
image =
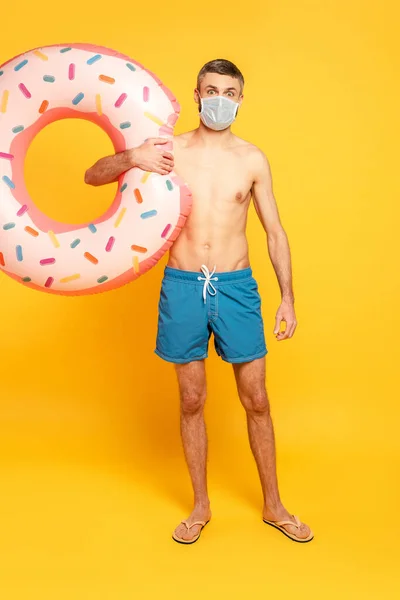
pixel 208 278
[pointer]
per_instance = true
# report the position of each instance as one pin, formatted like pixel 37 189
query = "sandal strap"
pixel 195 523
pixel 297 524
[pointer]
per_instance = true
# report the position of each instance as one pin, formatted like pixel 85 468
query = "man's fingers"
pixel 168 162
pixel 280 334
pixel 167 154
pixel 162 171
pixel 166 166
pixel 277 325
pixel 283 335
pixel 158 140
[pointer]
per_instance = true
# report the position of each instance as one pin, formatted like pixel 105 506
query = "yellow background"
pixel 92 475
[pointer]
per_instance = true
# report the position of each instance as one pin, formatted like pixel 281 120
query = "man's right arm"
pixel 146 157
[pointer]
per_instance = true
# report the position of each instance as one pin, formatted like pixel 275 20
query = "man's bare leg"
pixel 193 388
pixel 250 380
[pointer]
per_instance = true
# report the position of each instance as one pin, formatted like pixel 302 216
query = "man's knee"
pixel 192 401
pixel 257 403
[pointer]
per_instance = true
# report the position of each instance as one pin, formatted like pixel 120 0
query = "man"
pixel 208 285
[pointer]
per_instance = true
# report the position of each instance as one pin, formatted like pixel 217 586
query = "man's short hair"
pixel 222 67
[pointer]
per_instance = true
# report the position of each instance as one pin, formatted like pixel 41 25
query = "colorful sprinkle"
pixel 2 261
pixel 92 228
pixel 26 279
pixel 75 243
pixel 17 128
pixel 47 261
pixel 121 100
pixel 146 93
pixel 1 73
pixel 71 72
pixel 165 130
pixel 8 226
pixel 20 65
pixel 166 231
pixel 65 50
pixel 18 250
pixel 102 279
pixel 140 249
pixel 125 125
pixel 107 79
pixel 70 278
pixel 98 105
pixel 110 244
pixel 41 55
pixel 49 282
pixel 4 101
pixel 172 119
pixel 31 231
pixel 8 182
pixel 136 264
pixel 145 177
pixel 49 78
pixel 91 258
pixel 153 118
pixel 169 185
pixel 22 210
pixel 53 239
pixel 138 196
pixel 148 214
pixel 94 59
pixel 78 98
pixel 130 67
pixel 120 217
pixel 43 106
pixel 25 91
pixel 123 187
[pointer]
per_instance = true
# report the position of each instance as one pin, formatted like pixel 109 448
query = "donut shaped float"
pixel 130 104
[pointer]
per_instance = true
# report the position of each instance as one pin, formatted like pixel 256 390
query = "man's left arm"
pixel 277 242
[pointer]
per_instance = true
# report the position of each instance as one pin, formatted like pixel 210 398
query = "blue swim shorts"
pixel 194 305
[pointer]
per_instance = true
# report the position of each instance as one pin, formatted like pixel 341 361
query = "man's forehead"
pixel 220 81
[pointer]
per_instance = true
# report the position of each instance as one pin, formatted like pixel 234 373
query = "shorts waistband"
pixel 193 276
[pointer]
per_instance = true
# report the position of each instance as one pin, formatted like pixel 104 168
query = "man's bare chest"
pixel 224 181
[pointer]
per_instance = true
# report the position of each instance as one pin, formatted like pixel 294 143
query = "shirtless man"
pixel 224 173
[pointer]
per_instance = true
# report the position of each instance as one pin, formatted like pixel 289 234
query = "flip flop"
pixel 193 540
pixel 279 525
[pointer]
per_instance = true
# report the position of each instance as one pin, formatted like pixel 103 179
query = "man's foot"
pixel 296 532
pixel 198 514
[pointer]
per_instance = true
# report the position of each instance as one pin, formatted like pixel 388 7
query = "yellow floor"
pixel 98 531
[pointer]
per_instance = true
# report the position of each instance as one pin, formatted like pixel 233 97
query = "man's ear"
pixel 196 96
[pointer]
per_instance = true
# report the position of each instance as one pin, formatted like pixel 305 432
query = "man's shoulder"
pixel 253 152
pixel 254 159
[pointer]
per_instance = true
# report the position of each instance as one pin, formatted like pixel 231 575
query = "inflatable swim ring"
pixel 130 104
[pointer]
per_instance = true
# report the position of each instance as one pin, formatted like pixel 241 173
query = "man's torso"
pixel 220 180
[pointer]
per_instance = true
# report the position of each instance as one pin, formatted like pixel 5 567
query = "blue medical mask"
pixel 218 112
